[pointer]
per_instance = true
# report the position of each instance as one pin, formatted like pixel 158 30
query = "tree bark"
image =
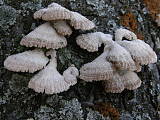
pixel 19 102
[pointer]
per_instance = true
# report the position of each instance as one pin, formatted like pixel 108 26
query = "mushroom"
pixel 158 20
pixel 28 61
pixel 62 28
pixel 124 33
pixel 131 80
pixel 149 50
pixel 44 36
pixel 91 41
pixel 80 22
pixel 141 52
pixel 38 14
pixel 115 84
pixel 70 75
pixel 50 81
pixel 53 12
pixel 122 80
pixel 120 57
pixel 98 69
pixel 53 4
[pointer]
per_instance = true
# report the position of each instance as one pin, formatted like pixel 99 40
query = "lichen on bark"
pixel 19 102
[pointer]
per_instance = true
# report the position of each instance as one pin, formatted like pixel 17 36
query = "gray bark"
pixel 19 102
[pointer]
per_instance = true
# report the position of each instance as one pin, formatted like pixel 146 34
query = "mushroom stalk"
pixel 49 80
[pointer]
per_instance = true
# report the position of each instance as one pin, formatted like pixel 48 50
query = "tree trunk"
pixel 18 102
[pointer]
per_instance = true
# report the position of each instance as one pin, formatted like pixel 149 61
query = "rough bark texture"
pixel 17 102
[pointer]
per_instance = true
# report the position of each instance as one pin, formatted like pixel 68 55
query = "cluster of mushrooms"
pixel 116 66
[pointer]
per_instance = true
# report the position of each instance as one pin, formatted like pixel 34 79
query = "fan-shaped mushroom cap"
pixel 80 22
pixel 120 57
pixel 141 52
pixel 53 12
pixel 70 75
pixel 98 69
pixel 53 4
pixel 120 33
pixel 49 80
pixel 115 84
pixel 149 49
pixel 62 28
pixel 28 61
pixel 44 36
pixel 38 14
pixel 91 41
pixel 158 20
pixel 131 80
pixel 106 39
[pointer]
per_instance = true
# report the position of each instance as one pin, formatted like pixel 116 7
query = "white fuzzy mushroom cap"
pixel 98 69
pixel 53 12
pixel 53 4
pixel 44 36
pixel 49 80
pixel 122 80
pixel 120 57
pixel 131 80
pixel 38 14
pixel 28 61
pixel 70 75
pixel 62 28
pixel 90 41
pixel 124 33
pixel 141 52
pixel 106 39
pixel 80 22
pixel 114 85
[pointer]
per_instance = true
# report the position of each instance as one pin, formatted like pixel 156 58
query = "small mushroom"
pixel 149 50
pixel 92 41
pixel 53 4
pixel 80 22
pixel 70 75
pixel 44 36
pixel 141 52
pixel 124 33
pixel 49 80
pixel 28 61
pixel 115 84
pixel 158 19
pixel 62 28
pixel 98 69
pixel 131 80
pixel 122 80
pixel 38 14
pixel 120 57
pixel 53 12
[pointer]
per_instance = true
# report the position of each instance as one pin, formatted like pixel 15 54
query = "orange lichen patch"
pixel 106 109
pixel 129 20
pixel 153 7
